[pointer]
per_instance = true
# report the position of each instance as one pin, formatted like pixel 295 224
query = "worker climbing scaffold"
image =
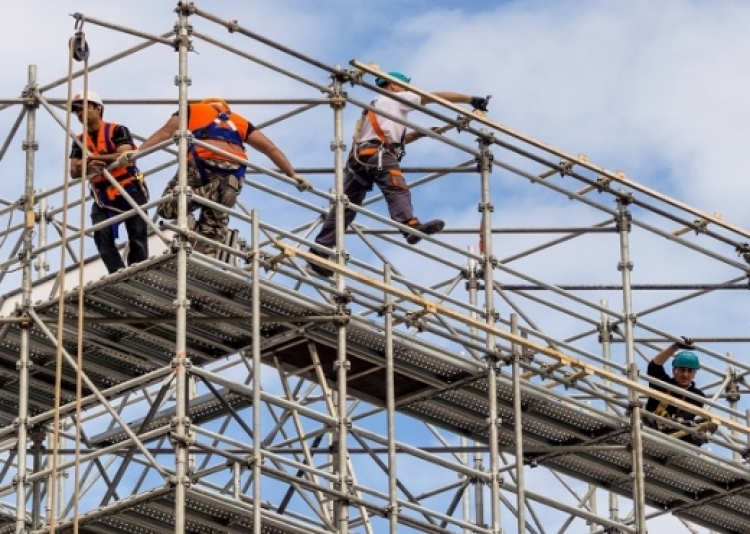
pixel 211 175
pixel 375 159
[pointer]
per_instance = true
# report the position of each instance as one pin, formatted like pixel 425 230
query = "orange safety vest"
pixel 222 129
pixel 104 145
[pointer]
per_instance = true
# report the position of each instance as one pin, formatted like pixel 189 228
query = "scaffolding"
pixel 446 387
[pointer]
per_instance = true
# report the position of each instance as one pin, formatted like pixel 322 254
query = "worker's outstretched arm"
pixel 160 135
pixel 477 102
pixel 163 133
pixel 265 146
pixel 667 353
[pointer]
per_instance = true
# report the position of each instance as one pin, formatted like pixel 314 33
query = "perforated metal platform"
pixel 431 383
pixel 153 512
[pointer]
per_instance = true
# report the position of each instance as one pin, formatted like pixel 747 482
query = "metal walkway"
pixel 129 334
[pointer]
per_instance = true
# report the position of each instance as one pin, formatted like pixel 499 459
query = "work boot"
pixel 429 228
pixel 319 269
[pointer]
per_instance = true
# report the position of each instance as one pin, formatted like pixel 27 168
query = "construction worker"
pixel 685 365
pixel 105 142
pixel 211 175
pixel 379 147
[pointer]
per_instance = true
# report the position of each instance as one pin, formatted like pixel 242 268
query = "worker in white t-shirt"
pixel 379 147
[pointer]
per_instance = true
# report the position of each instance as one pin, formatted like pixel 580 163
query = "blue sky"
pixel 658 90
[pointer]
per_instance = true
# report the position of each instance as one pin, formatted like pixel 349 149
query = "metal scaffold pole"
pixel 181 424
pixel 257 420
pixel 37 436
pixel 390 404
pixel 625 267
pixel 518 422
pixel 605 337
pixel 491 316
pixel 30 146
pixel 472 286
pixel 342 364
pixel 293 403
pixel 41 265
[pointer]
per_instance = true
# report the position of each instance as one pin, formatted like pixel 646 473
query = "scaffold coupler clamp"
pixel 743 250
pixel 566 166
pixel 631 406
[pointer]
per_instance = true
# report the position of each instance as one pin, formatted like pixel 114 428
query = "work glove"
pixel 686 343
pixel 126 158
pixel 302 184
pixel 480 103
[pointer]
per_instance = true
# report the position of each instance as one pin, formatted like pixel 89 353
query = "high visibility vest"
pixel 103 146
pixel 223 129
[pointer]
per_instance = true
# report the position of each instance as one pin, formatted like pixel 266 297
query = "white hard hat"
pixel 93 98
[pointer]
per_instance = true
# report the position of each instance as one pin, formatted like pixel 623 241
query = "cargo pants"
pixel 359 178
pixel 221 188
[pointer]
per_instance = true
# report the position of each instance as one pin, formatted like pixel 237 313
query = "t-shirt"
pixel 393 131
pixel 657 371
pixel 120 136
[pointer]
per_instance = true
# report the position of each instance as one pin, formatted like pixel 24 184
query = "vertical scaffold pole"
pixel 518 428
pixel 625 266
pixel 605 338
pixel 341 433
pixel 472 285
pixel 732 392
pixel 486 208
pixel 390 402
pixel 257 462
pixel 181 424
pixel 37 437
pixel 42 217
pixel 30 146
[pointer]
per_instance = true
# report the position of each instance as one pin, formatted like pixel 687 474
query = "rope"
pixel 81 265
pixel 52 519
pixel 78 50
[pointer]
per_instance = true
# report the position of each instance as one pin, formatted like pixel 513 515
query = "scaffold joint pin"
pixel 346 364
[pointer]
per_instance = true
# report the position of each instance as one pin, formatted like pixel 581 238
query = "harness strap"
pixel 200 166
pixel 376 127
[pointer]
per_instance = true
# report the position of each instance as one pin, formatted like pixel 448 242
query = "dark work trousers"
pixel 359 179
pixel 136 227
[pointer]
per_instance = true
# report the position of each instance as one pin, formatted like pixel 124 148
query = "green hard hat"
pixel 687 360
pixel 381 82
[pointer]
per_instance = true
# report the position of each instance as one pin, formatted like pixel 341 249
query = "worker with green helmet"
pixel 375 160
pixel 685 365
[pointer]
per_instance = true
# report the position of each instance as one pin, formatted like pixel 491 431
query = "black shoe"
pixel 319 269
pixel 429 228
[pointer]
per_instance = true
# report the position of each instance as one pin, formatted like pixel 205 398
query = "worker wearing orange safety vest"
pixel 104 142
pixel 379 147
pixel 211 175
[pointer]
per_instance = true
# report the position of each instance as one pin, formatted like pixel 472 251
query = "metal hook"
pixel 79 22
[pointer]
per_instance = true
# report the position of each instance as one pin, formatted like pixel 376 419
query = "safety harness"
pixel 103 192
pixel 662 410
pixel 222 128
pixel 372 146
